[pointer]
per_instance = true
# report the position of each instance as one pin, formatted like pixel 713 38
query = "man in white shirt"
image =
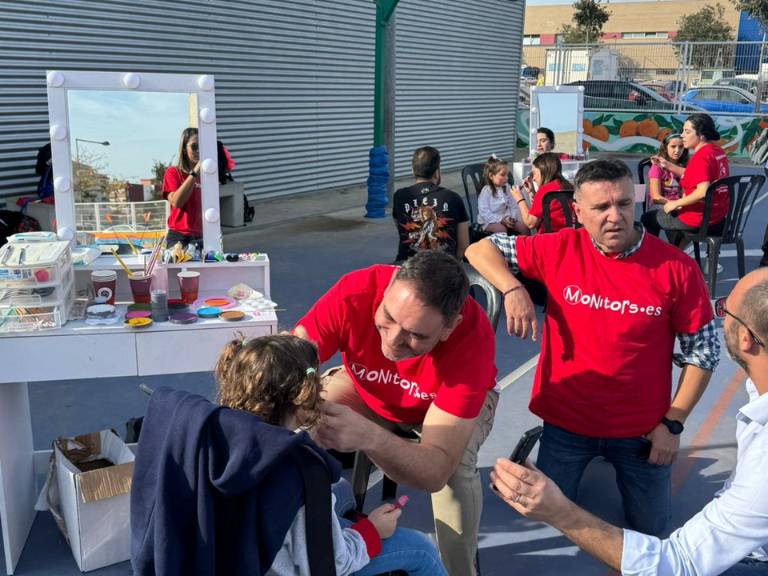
pixel 730 531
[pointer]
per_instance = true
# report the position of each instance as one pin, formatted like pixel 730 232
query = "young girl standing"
pixel 497 210
pixel 276 378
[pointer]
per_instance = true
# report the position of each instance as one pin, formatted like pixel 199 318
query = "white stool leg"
pixel 17 480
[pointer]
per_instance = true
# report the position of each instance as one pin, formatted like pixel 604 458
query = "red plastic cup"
pixel 189 282
pixel 140 286
pixel 104 284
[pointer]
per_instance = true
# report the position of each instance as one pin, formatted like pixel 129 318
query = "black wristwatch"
pixel 674 426
pixel 193 173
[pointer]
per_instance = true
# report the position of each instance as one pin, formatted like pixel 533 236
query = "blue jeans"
pixel 748 567
pixel 407 550
pixel 645 488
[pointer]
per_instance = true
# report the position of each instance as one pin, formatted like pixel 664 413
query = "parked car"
pixel 661 89
pixel 723 99
pixel 743 83
pixel 625 95
pixel 529 74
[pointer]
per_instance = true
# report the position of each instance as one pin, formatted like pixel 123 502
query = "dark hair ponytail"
pixel 704 126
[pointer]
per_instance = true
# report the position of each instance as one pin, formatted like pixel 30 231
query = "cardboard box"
pixel 95 504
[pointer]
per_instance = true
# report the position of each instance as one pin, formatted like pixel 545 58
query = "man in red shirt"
pixel 418 355
pixel 617 298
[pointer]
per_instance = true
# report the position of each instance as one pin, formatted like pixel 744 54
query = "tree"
pixel 757 9
pixel 158 171
pixel 707 25
pixel 588 19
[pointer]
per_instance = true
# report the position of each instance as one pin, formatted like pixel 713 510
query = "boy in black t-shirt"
pixel 428 216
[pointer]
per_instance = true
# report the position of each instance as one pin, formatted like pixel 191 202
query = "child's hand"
pixel 384 518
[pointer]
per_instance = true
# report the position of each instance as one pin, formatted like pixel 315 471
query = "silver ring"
pixel 517 498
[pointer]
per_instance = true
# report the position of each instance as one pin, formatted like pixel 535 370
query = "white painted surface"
pixel 80 351
pixel 17 486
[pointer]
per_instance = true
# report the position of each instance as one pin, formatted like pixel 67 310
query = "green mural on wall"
pixel 629 132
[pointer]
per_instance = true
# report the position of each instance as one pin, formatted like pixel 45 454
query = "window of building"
pixel 645 34
pixel 531 40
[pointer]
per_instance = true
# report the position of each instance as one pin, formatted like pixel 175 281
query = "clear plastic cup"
pixel 140 286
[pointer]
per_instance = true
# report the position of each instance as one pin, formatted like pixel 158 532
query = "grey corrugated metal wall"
pixel 458 78
pixel 294 80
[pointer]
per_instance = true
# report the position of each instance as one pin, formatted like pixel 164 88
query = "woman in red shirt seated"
pixel 181 187
pixel 708 163
pixel 547 174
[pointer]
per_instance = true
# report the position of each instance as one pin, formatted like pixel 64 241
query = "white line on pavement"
pixel 519 372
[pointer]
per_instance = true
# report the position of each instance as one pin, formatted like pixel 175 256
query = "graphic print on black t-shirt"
pixel 427 217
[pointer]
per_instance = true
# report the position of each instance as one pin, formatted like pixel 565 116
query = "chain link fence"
pixel 727 77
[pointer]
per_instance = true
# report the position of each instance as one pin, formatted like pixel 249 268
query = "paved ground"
pixel 311 241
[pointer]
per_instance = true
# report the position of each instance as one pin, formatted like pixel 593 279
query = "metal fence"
pixel 141 217
pixel 728 77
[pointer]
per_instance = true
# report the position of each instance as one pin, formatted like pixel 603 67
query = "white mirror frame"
pixel 535 120
pixel 59 82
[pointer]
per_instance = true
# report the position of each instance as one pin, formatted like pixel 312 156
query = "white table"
pixel 80 351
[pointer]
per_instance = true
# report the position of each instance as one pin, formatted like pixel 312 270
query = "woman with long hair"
pixel 181 187
pixel 707 164
pixel 547 175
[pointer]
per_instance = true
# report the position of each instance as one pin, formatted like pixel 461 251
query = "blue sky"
pixel 139 126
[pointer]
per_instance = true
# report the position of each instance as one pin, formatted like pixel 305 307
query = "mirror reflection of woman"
pixel 181 187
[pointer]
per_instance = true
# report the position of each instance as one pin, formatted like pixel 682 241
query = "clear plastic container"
pixel 35 265
pixel 32 318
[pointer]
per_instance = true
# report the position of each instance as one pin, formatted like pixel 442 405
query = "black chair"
pixel 565 199
pixel 361 470
pixel 472 179
pixel 642 170
pixel 742 193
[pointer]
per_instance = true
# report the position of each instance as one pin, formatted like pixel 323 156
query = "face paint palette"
pixel 139 322
pixel 137 314
pixel 209 312
pixel 220 302
pixel 232 315
pixel 183 318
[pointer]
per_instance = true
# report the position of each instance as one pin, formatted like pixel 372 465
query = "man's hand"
pixel 384 518
pixel 521 316
pixel 664 445
pixel 529 491
pixel 343 429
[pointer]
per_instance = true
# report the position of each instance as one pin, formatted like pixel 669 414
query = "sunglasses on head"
pixel 721 312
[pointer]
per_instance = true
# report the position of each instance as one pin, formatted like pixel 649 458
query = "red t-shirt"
pixel 556 214
pixel 710 163
pixel 605 368
pixel 455 375
pixel 187 220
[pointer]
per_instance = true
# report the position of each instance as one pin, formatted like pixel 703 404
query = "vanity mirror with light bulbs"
pixel 112 136
pixel 561 109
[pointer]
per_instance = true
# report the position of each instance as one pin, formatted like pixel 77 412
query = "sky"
pixel 139 126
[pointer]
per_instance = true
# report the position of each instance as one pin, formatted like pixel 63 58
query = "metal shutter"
pixel 458 77
pixel 294 80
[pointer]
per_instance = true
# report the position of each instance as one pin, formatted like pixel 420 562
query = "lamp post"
pixel 77 155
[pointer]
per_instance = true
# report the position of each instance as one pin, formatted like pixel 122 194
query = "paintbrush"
pixel 120 261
